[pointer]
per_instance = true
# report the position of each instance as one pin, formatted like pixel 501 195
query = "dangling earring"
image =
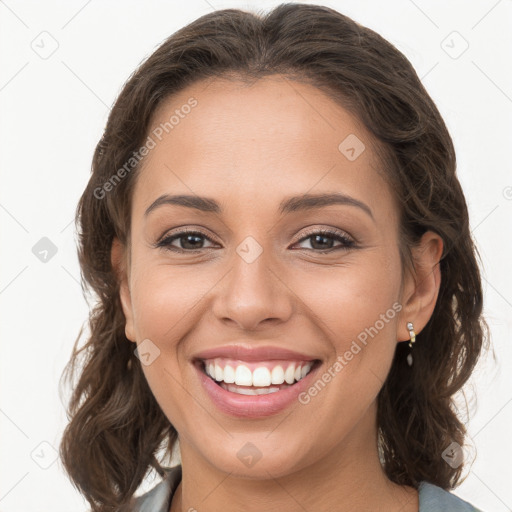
pixel 412 334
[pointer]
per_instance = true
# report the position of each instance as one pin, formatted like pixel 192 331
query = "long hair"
pixel 116 428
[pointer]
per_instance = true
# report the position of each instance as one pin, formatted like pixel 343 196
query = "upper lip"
pixel 251 353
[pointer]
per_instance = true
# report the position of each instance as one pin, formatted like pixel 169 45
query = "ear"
pixel 118 260
pixel 420 291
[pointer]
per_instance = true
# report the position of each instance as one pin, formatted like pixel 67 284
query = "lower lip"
pixel 253 406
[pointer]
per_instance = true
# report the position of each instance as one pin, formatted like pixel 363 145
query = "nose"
pixel 253 293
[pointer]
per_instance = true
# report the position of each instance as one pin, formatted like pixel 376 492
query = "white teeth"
pixel 229 374
pixel 243 376
pixel 289 374
pixel 244 391
pixel 277 375
pixel 219 373
pixel 261 376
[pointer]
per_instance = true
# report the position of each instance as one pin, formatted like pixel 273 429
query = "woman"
pixel 286 279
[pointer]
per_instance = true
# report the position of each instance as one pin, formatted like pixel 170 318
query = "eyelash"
pixel 348 243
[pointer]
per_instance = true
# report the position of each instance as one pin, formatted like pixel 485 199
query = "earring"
pixel 412 334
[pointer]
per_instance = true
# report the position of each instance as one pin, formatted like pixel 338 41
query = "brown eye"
pixel 320 241
pixel 323 240
pixel 188 241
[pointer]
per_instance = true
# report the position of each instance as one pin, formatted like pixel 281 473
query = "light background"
pixel 53 111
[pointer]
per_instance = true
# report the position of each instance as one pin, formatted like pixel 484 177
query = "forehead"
pixel 247 143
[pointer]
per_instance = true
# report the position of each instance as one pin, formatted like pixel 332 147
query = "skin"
pixel 249 147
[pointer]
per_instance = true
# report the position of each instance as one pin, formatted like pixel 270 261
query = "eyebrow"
pixel 292 204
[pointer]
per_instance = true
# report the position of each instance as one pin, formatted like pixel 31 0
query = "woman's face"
pixel 256 274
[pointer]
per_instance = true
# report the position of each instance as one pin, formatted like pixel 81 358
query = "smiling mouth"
pixel 256 378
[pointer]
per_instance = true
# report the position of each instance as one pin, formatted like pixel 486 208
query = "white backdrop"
pixel 63 64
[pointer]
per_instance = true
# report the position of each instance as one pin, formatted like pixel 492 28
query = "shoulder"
pixel 158 499
pixel 435 499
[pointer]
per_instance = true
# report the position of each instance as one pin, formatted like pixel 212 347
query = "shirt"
pixel 158 499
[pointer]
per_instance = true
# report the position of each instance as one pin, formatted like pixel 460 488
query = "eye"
pixel 192 241
pixel 319 240
pixel 189 241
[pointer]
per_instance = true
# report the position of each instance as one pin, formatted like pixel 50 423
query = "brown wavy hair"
pixel 116 428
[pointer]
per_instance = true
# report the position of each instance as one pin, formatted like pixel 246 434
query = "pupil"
pixel 197 239
pixel 321 237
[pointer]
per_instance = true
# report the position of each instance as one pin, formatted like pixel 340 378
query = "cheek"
pixel 356 309
pixel 163 301
pixel 162 298
pixel 349 299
